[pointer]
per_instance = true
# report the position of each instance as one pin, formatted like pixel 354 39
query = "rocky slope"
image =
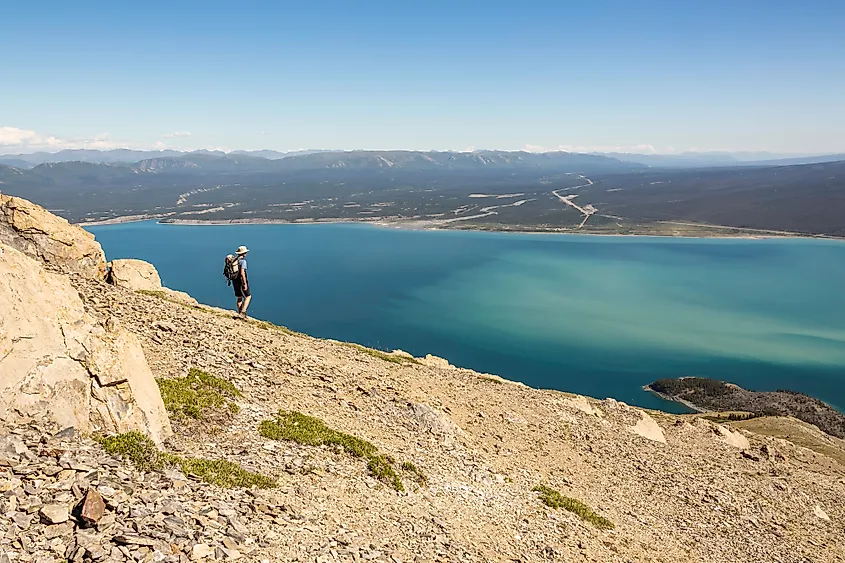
pixel 675 488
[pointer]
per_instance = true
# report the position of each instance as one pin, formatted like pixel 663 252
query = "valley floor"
pixel 655 229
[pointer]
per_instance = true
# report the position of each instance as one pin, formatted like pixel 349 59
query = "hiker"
pixel 240 282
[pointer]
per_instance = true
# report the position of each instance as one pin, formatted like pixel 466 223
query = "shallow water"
pixel 600 316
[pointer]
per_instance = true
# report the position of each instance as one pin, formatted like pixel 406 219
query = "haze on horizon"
pixel 610 76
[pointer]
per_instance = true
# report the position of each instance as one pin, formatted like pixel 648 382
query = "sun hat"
pixel 242 250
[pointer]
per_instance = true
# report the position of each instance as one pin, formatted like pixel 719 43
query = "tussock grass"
pixel 420 477
pixel 144 454
pixel 270 326
pixel 198 392
pixel 381 468
pixel 554 499
pixel 311 431
pixel 153 293
pixel 491 379
pixel 392 358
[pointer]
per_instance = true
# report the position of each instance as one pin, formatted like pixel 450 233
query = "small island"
pixel 703 394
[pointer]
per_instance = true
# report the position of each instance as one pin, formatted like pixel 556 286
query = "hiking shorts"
pixel 239 289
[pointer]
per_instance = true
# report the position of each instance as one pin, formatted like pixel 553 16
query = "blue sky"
pixel 601 75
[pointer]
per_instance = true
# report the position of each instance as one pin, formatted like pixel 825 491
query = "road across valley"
pixel 587 210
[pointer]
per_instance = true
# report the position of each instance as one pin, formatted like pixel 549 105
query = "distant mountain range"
pixel 83 189
pixel 30 160
pixel 682 160
pixel 481 189
pixel 721 159
pixel 83 163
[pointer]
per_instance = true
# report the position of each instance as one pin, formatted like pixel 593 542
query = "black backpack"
pixel 231 269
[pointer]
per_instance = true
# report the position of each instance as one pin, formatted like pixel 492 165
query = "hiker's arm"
pixel 243 277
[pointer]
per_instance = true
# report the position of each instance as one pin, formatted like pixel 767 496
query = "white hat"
pixel 242 250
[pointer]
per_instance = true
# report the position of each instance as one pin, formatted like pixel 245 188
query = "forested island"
pixel 713 395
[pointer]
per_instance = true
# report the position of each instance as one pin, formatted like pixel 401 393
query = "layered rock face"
pixel 58 362
pixel 35 231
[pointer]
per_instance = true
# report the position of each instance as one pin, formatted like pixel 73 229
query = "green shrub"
pixel 310 431
pixel 421 477
pixel 144 454
pixel 381 468
pixel 193 395
pixel 303 429
pixel 554 499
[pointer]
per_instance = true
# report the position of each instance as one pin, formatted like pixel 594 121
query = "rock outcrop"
pixel 35 231
pixel 647 428
pixel 134 274
pixel 137 275
pixel 735 438
pixel 58 362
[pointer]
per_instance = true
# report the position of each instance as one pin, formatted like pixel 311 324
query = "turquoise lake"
pixel 601 316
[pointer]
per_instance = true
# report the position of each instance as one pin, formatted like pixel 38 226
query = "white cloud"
pixel 637 149
pixel 13 139
pixel 176 134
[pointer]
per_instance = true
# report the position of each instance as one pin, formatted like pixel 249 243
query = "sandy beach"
pixel 440 225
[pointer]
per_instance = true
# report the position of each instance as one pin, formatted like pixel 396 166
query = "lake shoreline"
pixel 585 314
pixel 675 399
pixel 425 225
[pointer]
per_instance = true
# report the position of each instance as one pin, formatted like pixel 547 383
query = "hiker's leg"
pixel 240 304
pixel 247 299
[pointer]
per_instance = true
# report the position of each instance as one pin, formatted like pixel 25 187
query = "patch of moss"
pixel 144 454
pixel 311 431
pixel 420 477
pixel 193 395
pixel 554 499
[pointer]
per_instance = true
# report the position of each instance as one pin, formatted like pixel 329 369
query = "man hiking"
pixel 241 284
